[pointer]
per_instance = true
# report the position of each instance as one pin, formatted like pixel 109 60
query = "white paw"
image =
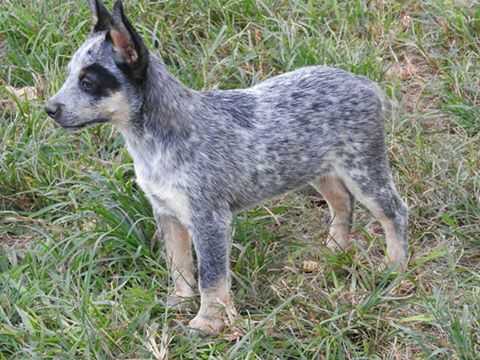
pixel 207 325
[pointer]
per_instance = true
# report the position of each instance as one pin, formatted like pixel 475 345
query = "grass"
pixel 79 278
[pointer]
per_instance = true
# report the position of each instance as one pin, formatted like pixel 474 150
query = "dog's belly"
pixel 266 181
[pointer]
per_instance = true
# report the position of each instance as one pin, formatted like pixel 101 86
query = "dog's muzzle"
pixel 54 110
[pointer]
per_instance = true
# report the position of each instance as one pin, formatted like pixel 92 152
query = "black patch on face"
pixel 98 81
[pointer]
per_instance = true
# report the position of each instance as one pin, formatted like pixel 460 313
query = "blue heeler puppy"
pixel 203 156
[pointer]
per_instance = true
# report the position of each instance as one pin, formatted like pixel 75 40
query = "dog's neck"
pixel 164 120
pixel 167 102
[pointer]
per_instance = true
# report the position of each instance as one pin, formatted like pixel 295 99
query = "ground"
pixel 79 277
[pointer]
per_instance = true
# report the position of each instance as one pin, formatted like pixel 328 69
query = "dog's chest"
pixel 164 188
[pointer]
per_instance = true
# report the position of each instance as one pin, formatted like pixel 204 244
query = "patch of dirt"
pixel 21 202
pixel 28 93
pixel 24 93
pixel 403 70
pixel 10 93
pixel 14 241
pixel 418 81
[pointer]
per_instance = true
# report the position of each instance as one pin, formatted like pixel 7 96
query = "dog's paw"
pixel 399 264
pixel 333 246
pixel 338 246
pixel 394 266
pixel 207 325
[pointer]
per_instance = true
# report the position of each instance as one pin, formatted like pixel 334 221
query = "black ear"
pixel 130 50
pixel 101 17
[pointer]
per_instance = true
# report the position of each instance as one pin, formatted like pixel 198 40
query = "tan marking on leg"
pixel 396 250
pixel 216 309
pixel 178 246
pixel 396 253
pixel 340 205
pixel 396 245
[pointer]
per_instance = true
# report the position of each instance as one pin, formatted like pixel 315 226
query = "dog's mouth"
pixel 84 125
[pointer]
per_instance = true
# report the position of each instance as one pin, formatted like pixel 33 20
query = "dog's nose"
pixel 53 109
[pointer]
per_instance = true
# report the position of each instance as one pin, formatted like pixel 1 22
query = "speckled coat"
pixel 203 156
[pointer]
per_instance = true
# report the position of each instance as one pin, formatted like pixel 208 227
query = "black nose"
pixel 53 110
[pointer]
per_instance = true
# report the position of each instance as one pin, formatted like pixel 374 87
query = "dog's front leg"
pixel 212 241
pixel 178 248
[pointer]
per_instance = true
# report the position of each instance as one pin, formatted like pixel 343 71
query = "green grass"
pixel 79 278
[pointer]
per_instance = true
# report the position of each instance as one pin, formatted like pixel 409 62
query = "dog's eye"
pixel 86 84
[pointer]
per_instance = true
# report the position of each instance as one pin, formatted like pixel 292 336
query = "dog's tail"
pixel 389 105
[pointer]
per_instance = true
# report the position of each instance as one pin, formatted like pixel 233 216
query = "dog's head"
pixel 105 75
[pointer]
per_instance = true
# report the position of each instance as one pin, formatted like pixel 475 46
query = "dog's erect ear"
pixel 102 19
pixel 130 50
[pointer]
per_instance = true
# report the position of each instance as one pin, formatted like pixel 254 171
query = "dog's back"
pixel 287 131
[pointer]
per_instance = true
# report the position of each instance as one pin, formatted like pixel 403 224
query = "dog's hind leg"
pixel 371 183
pixel 178 247
pixel 340 202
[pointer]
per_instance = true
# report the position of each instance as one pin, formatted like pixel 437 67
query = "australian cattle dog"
pixel 201 157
